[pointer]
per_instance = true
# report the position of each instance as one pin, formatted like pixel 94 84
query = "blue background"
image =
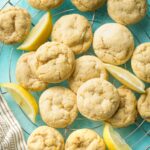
pixel 135 136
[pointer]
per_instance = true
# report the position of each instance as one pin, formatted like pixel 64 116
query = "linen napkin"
pixel 11 136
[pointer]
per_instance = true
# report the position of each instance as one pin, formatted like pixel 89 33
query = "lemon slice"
pixel 126 78
pixel 113 140
pixel 39 34
pixel 23 98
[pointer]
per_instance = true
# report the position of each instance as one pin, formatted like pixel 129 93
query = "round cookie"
pixel 113 43
pixel 84 139
pixel 144 105
pixel 25 76
pixel 45 138
pixel 14 24
pixel 126 113
pixel 97 99
pixel 140 62
pixel 75 31
pixel 88 5
pixel 127 11
pixel 86 67
pixel 53 62
pixel 45 4
pixel 58 107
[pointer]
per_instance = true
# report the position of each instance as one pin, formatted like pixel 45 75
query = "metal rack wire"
pixel 139 124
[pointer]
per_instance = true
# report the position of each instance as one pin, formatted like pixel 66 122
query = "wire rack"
pixel 131 135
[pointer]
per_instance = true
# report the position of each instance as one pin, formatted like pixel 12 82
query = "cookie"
pixel 84 139
pixel 126 113
pixel 88 5
pixel 25 76
pixel 45 138
pixel 113 43
pixel 14 24
pixel 144 105
pixel 58 107
pixel 53 62
pixel 86 67
pixel 75 31
pixel 127 11
pixel 140 62
pixel 97 99
pixel 45 4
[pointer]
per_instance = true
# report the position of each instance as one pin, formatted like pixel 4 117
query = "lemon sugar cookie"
pixel 140 62
pixel 45 4
pixel 58 107
pixel 97 99
pixel 88 5
pixel 26 76
pixel 113 43
pixel 144 105
pixel 14 24
pixel 45 138
pixel 75 31
pixel 85 139
pixel 53 62
pixel 126 113
pixel 127 11
pixel 86 67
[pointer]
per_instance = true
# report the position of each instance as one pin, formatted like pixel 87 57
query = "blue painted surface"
pixel 9 56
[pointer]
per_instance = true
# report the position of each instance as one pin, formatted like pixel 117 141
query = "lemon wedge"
pixel 113 140
pixel 126 78
pixel 39 34
pixel 23 98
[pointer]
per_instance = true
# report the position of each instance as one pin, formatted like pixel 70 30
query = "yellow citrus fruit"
pixel 23 98
pixel 126 78
pixel 39 34
pixel 113 140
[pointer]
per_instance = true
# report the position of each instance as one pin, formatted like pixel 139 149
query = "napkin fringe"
pixel 11 136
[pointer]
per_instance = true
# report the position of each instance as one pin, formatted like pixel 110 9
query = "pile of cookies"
pixel 89 90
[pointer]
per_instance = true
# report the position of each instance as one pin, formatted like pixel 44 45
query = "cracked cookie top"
pixel 75 31
pixel 53 62
pixel 127 11
pixel 97 99
pixel 144 105
pixel 25 76
pixel 84 139
pixel 140 62
pixel 58 107
pixel 45 4
pixel 88 5
pixel 45 138
pixel 86 67
pixel 113 43
pixel 126 113
pixel 14 24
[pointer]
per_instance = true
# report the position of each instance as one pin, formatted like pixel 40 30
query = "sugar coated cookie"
pixel 127 11
pixel 86 67
pixel 45 4
pixel 140 62
pixel 45 138
pixel 126 113
pixel 75 31
pixel 58 107
pixel 113 43
pixel 144 105
pixel 53 62
pixel 25 76
pixel 84 139
pixel 97 99
pixel 14 24
pixel 88 5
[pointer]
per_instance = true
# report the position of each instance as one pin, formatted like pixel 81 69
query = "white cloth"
pixel 11 136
